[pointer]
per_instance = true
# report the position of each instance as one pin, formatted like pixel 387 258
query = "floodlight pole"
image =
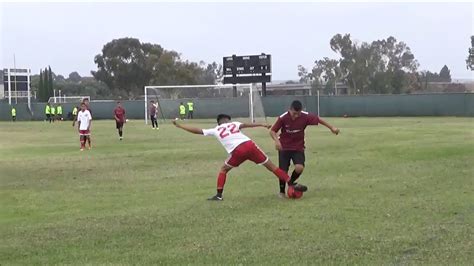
pixel 9 87
pixel 16 73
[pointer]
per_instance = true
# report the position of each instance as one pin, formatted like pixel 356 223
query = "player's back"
pixel 228 134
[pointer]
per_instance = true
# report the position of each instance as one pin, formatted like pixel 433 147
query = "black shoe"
pixel 299 187
pixel 216 198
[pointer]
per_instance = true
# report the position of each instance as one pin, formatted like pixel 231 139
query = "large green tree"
pixel 470 57
pixel 366 66
pixel 382 66
pixel 445 74
pixel 74 77
pixel 50 82
pixel 41 91
pixel 127 65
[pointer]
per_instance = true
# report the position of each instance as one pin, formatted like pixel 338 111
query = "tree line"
pixel 386 66
pixel 45 84
pixel 126 65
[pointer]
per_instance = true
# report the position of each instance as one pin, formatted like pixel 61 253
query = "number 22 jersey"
pixel 228 134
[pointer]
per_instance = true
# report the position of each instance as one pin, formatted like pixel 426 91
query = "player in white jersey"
pixel 240 149
pixel 84 120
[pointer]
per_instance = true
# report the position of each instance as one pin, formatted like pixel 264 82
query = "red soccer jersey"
pixel 120 113
pixel 292 131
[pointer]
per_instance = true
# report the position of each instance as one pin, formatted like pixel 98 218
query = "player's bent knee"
pixel 299 168
pixel 225 168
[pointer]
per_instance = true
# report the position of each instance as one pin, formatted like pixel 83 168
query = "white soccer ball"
pixel 176 119
pixel 126 120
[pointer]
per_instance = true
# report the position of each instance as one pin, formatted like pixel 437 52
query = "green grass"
pixel 385 191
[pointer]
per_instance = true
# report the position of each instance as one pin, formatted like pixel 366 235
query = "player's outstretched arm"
pixel 245 125
pixel 334 130
pixel 193 130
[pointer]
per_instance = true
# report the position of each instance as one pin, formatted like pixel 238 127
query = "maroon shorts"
pixel 246 151
pixel 84 132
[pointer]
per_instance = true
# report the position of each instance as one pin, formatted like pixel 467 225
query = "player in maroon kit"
pixel 290 143
pixel 119 114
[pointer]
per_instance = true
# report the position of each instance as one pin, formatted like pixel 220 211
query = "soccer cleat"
pixel 281 195
pixel 216 198
pixel 82 149
pixel 121 138
pixel 299 187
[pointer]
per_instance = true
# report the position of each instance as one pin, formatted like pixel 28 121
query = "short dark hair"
pixel 119 102
pixel 296 105
pixel 221 116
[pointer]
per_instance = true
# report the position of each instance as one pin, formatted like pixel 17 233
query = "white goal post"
pixel 252 94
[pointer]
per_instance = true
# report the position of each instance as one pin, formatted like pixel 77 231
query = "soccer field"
pixel 385 191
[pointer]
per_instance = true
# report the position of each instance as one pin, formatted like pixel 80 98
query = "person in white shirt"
pixel 240 148
pixel 84 120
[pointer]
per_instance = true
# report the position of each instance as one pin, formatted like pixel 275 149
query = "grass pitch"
pixel 385 191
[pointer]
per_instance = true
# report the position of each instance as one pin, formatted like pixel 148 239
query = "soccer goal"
pixel 68 99
pixel 206 100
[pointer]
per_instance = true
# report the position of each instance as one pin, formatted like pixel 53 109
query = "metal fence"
pixel 446 104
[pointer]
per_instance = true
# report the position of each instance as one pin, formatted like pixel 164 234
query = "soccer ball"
pixel 293 194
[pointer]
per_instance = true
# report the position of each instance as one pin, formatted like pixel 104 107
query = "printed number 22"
pixel 226 131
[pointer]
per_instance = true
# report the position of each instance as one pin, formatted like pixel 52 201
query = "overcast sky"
pixel 67 36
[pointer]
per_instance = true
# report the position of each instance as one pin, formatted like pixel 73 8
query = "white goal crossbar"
pixel 250 86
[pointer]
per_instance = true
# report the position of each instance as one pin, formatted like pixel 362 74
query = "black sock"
pixel 294 176
pixel 120 133
pixel 219 192
pixel 282 186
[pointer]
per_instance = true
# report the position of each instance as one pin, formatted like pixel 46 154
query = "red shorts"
pixel 84 132
pixel 246 151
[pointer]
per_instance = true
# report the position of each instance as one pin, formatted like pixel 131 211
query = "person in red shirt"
pixel 290 142
pixel 119 113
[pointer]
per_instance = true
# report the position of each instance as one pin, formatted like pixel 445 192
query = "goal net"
pixel 204 102
pixel 68 99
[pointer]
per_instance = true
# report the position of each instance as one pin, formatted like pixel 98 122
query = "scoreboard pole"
pixel 234 74
pixel 234 90
pixel 252 116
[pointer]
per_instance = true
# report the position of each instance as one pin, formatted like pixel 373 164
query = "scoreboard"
pixel 247 69
pixel 249 64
